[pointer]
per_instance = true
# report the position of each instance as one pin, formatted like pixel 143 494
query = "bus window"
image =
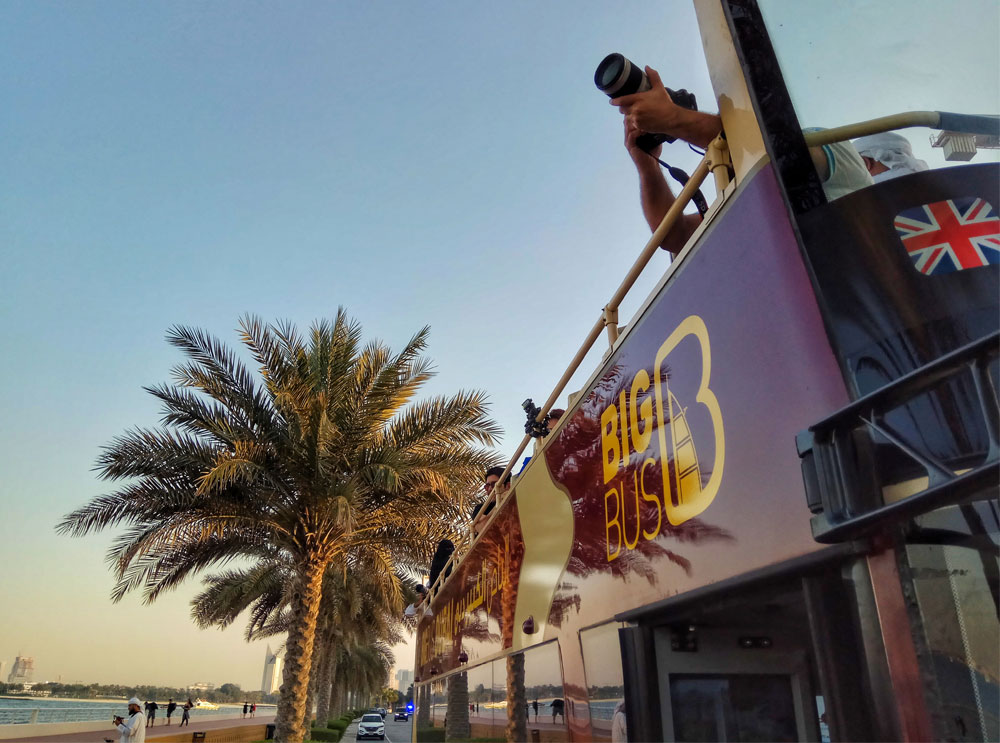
pixel 740 668
pixel 438 703
pixel 733 707
pixel 954 575
pixel 528 694
pixel 545 703
pixel 499 703
pixel 602 663
pixel 481 700
pixel 887 57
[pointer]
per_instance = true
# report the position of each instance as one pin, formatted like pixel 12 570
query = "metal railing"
pixel 716 161
pixel 96 712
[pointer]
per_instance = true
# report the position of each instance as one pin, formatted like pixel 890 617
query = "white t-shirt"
pixel 847 170
pixel 133 730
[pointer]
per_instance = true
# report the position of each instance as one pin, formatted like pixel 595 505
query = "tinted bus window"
pixel 888 57
pixel 956 587
pixel 545 704
pixel 744 707
pixel 605 685
pixel 481 701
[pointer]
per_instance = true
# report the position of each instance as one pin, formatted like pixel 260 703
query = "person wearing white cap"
pixel 132 730
pixel 888 155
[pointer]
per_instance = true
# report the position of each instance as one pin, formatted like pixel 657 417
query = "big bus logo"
pixel 647 406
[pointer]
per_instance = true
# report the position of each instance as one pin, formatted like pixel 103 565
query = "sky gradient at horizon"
pixel 181 163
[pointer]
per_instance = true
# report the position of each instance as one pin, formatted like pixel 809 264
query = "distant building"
pixel 271 681
pixel 201 686
pixel 3 667
pixel 23 671
pixel 404 678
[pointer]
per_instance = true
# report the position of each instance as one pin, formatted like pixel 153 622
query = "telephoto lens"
pixel 617 75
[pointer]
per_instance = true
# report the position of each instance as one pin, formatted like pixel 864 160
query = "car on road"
pixel 401 714
pixel 371 726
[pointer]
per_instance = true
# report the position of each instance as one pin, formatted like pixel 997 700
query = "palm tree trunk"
pixel 517 702
pixel 315 663
pixel 325 681
pixel 298 653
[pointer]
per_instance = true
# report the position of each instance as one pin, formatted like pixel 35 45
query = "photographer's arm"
pixel 655 194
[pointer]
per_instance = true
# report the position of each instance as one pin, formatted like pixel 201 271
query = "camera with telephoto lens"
pixel 617 75
pixel 534 428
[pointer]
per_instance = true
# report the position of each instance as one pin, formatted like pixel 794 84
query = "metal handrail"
pixel 716 155
pixel 905 120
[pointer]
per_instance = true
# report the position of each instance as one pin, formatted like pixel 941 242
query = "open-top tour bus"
pixel 771 513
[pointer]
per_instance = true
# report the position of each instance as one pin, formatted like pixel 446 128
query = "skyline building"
pixel 23 670
pixel 271 680
pixel 404 677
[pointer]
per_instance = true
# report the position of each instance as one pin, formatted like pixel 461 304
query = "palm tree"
pixel 327 455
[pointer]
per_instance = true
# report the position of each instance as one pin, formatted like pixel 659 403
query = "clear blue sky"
pixel 448 164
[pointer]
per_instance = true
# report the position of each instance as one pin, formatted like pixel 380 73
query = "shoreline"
pixel 114 700
pixel 63 699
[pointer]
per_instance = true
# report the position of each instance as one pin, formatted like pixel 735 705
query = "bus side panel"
pixel 679 464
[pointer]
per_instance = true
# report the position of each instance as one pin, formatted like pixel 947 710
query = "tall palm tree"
pixel 327 454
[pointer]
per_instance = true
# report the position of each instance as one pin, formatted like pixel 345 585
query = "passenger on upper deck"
pixel 839 166
pixel 888 155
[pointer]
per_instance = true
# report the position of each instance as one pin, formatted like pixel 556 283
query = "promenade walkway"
pixel 161 732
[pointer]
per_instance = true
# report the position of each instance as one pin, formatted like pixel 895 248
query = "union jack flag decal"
pixel 949 236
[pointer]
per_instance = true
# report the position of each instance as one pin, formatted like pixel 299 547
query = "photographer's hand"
pixel 654 111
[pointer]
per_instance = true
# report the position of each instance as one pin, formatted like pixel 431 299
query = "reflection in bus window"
pixel 544 702
pixel 744 707
pixel 888 57
pixel 457 714
pixel 955 574
pixel 423 706
pixel 499 699
pixel 602 662
pixel 481 701
pixel 438 703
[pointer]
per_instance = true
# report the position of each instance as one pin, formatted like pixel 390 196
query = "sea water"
pixel 19 710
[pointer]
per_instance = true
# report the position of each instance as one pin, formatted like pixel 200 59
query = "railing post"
pixel 34 716
pixel 719 162
pixel 611 323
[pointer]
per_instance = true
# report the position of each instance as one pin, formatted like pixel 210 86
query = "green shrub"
pixel 430 735
pixel 340 724
pixel 325 735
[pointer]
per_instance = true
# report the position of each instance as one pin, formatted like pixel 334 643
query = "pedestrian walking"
pixel 151 708
pixel 171 706
pixel 253 709
pixel 186 716
pixel 246 708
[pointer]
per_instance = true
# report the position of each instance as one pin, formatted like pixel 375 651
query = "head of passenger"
pixel 491 478
pixel 554 415
pixel 888 155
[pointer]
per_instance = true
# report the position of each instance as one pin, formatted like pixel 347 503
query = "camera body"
pixel 534 428
pixel 617 75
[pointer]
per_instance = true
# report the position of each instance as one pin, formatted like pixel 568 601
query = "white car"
pixel 371 726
